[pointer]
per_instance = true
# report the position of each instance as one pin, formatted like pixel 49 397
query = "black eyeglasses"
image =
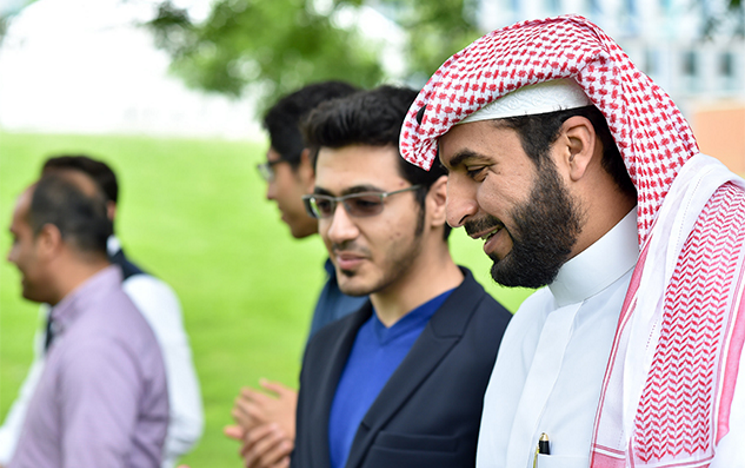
pixel 358 205
pixel 266 169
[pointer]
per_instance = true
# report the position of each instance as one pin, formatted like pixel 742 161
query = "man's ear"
pixel 576 146
pixel 49 241
pixel 111 210
pixel 305 171
pixel 436 198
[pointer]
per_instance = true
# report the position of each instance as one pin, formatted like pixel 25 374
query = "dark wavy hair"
pixel 371 118
pixel 283 119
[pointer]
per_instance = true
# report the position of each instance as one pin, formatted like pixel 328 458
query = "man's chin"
pixel 506 273
pixel 350 287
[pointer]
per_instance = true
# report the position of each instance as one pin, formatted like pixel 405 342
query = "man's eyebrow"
pixel 460 157
pixel 321 191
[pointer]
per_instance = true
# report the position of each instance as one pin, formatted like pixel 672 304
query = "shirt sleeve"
pixel 99 390
pixel 159 305
pixel 10 431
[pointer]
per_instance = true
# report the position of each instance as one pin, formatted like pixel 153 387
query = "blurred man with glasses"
pixel 400 382
pixel 289 175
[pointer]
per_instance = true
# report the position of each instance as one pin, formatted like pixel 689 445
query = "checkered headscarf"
pixel 651 133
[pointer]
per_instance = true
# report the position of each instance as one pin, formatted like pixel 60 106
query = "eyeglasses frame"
pixel 307 201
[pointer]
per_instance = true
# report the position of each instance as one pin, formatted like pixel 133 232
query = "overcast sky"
pixel 82 66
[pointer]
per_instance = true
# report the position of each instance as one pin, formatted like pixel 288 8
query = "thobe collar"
pixel 68 309
pixel 600 265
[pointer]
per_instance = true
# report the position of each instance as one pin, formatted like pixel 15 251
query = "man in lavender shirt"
pixel 102 399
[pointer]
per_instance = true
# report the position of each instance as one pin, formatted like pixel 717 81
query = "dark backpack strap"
pixel 129 269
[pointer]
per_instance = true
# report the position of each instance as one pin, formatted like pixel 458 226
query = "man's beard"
pixel 545 229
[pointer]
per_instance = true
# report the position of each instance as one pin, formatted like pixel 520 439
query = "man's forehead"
pixel 23 202
pixel 21 209
pixel 360 169
pixel 462 142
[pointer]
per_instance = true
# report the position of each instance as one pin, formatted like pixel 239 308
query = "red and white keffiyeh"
pixel 670 379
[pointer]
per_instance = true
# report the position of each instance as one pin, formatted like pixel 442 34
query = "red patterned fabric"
pixel 668 389
pixel 651 133
pixel 681 385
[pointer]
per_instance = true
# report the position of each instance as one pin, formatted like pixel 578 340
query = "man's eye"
pixel 324 206
pixel 474 172
pixel 365 203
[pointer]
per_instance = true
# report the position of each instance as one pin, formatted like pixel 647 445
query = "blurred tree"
pixel 274 47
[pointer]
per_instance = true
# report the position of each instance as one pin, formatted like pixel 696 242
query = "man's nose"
pixel 271 190
pixel 342 227
pixel 461 201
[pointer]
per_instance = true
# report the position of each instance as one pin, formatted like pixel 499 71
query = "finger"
pixel 274 387
pixel 251 395
pixel 234 432
pixel 268 450
pixel 283 463
pixel 274 454
pixel 253 436
pixel 243 418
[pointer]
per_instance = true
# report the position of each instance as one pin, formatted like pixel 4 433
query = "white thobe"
pixel 550 366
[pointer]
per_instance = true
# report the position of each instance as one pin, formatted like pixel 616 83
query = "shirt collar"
pixel 69 308
pixel 600 265
pixel 113 245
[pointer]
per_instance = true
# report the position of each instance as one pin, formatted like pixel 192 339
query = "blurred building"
pixel 694 49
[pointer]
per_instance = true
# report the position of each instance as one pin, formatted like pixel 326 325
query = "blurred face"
pixel 287 188
pixel 526 217
pixel 374 252
pixel 24 252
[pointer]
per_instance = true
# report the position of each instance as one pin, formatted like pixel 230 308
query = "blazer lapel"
pixel 437 339
pixel 337 358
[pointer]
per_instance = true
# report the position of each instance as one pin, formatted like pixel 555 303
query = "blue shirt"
pixel 376 353
pixel 332 303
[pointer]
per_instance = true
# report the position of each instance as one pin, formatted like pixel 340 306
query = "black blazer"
pixel 428 413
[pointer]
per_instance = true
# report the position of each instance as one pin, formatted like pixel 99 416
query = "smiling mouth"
pixel 490 234
pixel 485 235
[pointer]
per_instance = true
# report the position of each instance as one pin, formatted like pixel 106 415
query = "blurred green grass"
pixel 193 213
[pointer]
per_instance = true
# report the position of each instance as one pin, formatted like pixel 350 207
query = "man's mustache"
pixel 485 223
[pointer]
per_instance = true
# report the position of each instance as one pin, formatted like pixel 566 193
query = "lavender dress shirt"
pixel 102 399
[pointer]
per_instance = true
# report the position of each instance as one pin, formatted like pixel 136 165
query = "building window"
pixel 650 62
pixel 726 65
pixel 689 63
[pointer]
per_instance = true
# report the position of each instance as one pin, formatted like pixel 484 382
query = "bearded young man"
pixel 400 382
pixel 579 173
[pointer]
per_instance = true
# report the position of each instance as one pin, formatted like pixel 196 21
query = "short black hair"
pixel 538 132
pixel 99 171
pixel 81 218
pixel 283 119
pixel 372 118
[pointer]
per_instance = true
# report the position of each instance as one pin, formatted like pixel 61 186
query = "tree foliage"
pixel 274 47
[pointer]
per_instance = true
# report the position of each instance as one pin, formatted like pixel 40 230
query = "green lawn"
pixel 193 213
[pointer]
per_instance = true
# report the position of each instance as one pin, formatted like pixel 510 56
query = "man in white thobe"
pixel 580 174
